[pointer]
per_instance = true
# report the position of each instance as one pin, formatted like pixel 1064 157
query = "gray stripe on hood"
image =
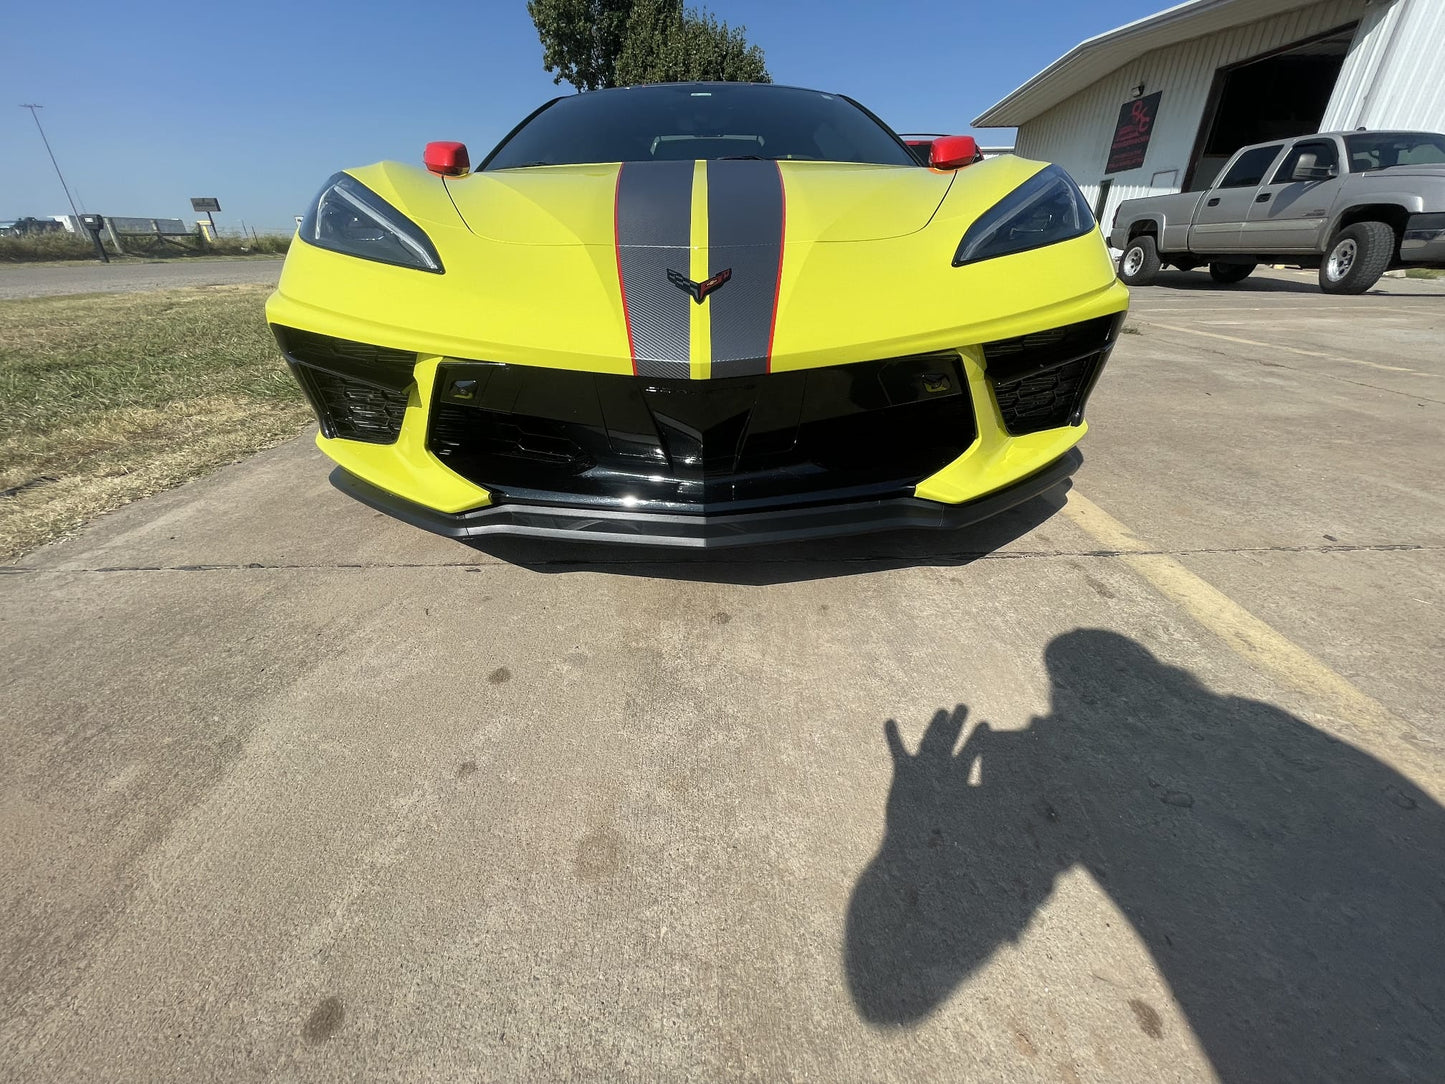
pixel 654 234
pixel 745 233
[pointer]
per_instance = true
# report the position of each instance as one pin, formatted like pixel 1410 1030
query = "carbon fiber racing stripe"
pixel 654 223
pixel 745 233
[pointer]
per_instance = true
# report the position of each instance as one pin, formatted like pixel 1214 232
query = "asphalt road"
pixel 293 791
pixel 44 280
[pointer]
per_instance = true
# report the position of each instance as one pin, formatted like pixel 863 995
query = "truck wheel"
pixel 1231 272
pixel 1140 263
pixel 1358 255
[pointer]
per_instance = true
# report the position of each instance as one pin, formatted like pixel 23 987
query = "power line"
pixel 79 223
pixel 53 162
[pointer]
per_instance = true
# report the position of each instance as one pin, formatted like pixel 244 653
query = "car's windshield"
pixel 1381 150
pixel 687 121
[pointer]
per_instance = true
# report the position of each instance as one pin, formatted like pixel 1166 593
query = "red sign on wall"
pixel 1131 134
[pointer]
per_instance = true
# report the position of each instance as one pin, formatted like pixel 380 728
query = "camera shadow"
pixel 1290 887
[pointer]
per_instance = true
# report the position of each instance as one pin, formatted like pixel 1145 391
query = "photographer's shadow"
pixel 1290 887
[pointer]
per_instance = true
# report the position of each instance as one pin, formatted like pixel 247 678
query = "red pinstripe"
pixel 621 283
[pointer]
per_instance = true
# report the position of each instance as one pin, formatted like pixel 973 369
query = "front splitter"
pixel 561 522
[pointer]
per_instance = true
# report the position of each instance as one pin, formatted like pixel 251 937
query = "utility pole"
pixel 80 225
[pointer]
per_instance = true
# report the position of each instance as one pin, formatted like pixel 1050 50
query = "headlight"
pixel 349 217
pixel 1044 210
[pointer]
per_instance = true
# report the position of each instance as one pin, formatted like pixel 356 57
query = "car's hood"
pixel 693 270
pixel 570 205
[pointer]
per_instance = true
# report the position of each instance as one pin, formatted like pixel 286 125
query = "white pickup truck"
pixel 1353 204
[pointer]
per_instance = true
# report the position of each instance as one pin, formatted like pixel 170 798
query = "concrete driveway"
pixel 1145 788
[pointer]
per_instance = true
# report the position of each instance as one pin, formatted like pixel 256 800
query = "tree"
pixel 713 50
pixel 653 49
pixel 604 43
pixel 581 38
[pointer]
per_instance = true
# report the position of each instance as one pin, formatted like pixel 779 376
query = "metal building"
pixel 1160 104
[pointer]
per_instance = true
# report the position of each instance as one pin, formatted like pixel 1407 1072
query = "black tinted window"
pixel 1304 157
pixel 1381 150
pixel 699 120
pixel 1249 170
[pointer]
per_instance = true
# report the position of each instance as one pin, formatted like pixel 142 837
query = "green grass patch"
pixel 113 397
pixel 1424 273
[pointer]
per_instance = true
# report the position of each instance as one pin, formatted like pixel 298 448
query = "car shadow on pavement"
pixel 1262 284
pixel 1290 887
pixel 791 562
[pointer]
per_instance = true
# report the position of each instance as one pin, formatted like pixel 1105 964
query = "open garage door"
pixel 1273 96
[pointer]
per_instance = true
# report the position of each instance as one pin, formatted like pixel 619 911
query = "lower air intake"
pixel 871 429
pixel 354 409
pixel 1042 380
pixel 358 391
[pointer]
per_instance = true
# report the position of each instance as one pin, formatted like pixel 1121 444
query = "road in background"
pixel 291 790
pixel 45 280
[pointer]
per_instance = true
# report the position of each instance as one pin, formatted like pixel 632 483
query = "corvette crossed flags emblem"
pixel 699 290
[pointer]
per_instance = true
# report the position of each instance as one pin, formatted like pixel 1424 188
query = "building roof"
pixel 1091 60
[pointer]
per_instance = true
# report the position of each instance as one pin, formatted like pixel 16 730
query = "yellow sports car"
pixel 699 314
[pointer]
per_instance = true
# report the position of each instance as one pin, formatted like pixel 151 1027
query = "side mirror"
pixel 1315 173
pixel 953 152
pixel 447 159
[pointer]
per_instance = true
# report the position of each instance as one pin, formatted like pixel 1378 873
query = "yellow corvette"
pixel 699 314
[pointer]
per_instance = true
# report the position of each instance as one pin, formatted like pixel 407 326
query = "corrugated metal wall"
pixel 1076 133
pixel 1394 76
pixel 1362 63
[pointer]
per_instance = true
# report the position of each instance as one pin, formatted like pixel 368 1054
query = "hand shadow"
pixel 1290 887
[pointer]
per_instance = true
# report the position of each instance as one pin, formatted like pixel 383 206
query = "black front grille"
pixel 359 391
pixel 1042 380
pixel 851 431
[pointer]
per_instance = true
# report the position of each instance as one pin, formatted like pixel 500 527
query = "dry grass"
pixel 58 246
pixel 51 245
pixel 114 397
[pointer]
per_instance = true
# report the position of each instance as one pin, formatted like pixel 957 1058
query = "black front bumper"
pixel 554 521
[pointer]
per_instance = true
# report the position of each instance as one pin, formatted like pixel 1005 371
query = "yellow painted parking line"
pixel 1256 642
pixel 1290 349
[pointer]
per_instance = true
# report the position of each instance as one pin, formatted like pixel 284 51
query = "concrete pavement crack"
pixel 1218 352
pixel 1356 383
pixel 962 556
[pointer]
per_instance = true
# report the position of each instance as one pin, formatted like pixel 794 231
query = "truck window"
pixel 1370 151
pixel 1250 167
pixel 1303 157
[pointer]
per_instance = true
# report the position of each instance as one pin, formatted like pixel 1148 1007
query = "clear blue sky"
pixel 152 101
